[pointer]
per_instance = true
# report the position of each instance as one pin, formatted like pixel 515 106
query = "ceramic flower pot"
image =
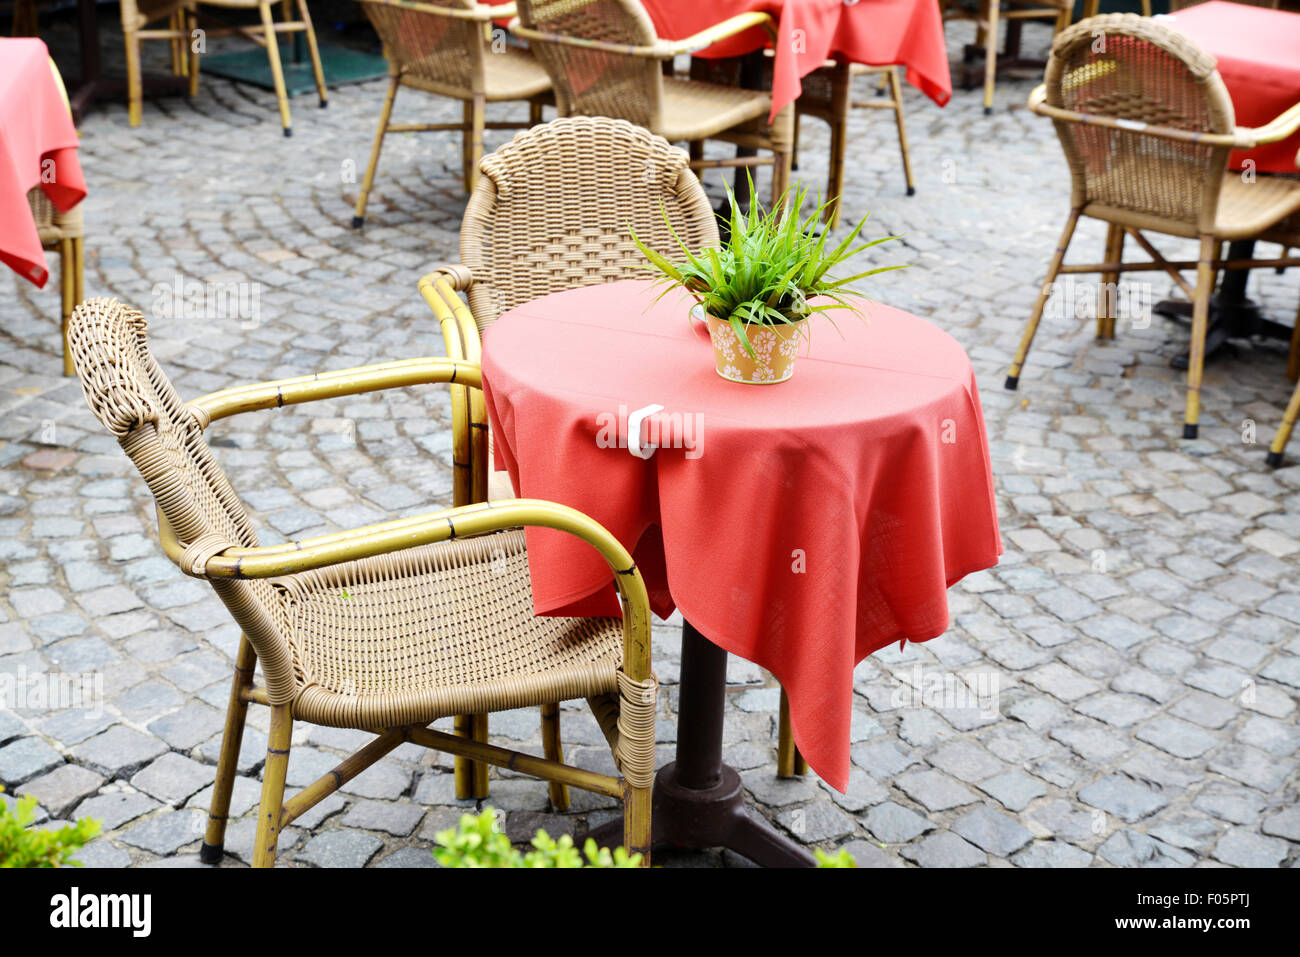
pixel 774 350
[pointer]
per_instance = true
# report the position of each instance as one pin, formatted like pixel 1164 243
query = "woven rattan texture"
pixel 1136 70
pixel 438 53
pixel 556 207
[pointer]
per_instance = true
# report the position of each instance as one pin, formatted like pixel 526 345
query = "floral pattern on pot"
pixel 774 351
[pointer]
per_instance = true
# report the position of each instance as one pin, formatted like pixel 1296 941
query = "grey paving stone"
pixel 173 778
pixel 396 819
pixel 967 761
pixel 863 791
pixel 772 791
pixel 408 857
pixel 865 854
pixel 1190 831
pixel 115 808
pixel 341 848
pixel 1051 854
pixel 245 794
pixel 944 849
pixel 816 822
pixel 167 832
pixel 1286 823
pixel 26 758
pixel 1241 847
pixel 60 790
pixel 992 831
pixel 1014 790
pixel 522 826
pixel 1128 848
pixel 118 752
pixel 1229 802
pixel 935 790
pixel 188 726
pixel 894 824
pixel 1250 766
pixel 102 854
pixel 1122 797
pixel 1179 738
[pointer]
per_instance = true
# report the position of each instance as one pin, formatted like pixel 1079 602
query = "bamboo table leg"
pixel 698 800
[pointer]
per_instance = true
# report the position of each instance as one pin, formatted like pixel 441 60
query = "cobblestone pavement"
pixel 1142 627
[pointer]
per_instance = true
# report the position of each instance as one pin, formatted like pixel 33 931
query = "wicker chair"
pixel 182 20
pixel 987 13
pixel 450 50
pixel 552 211
pixel 1146 125
pixel 384 628
pixel 827 93
pixel 605 60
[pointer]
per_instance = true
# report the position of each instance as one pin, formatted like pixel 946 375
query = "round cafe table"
pixel 800 525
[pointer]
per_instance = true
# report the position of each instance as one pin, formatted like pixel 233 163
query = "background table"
pixel 822 518
pixel 39 149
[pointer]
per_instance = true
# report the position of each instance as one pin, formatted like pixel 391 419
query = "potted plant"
pixel 757 290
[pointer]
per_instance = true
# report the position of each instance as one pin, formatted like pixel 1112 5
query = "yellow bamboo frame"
pixel 470 746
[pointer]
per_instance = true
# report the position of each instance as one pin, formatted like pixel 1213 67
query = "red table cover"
pixel 801 525
pixel 35 126
pixel 906 33
pixel 1258 51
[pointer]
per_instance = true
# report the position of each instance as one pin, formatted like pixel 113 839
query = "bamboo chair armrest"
pixel 481 12
pixel 1277 129
pixel 661 49
pixel 330 385
pixel 460 337
pixel 273 561
pixel 1243 137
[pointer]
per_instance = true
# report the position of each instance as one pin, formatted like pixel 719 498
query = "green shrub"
pixel 23 846
pixel 479 842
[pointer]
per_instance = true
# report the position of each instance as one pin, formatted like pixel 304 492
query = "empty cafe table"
pixel 801 525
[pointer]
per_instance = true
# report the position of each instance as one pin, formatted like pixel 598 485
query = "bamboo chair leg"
pixel 1278 448
pixel 313 51
pixel 553 749
pixel 696 150
pixel 1090 8
pixel 1200 324
pixel 466 132
pixel 789 762
pixel 464 767
pixel 67 299
pixel 277 71
pixel 1293 360
pixel 637 806
pixel 78 270
pixel 479 773
pixel 174 41
pixel 1146 8
pixel 534 112
pixel 277 764
pixel 1045 292
pixel 134 84
pixel 192 24
pixel 840 101
pixel 990 55
pixel 1107 290
pixel 896 93
pixel 478 121
pixel 232 737
pixel 794 147
pixel 368 182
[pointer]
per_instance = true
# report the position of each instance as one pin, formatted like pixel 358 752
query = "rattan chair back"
pixel 439 52
pixel 1141 73
pixel 597 82
pixel 556 207
pixel 132 397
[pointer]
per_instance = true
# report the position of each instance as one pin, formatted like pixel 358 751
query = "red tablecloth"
pixel 906 33
pixel 802 525
pixel 1258 50
pixel 35 126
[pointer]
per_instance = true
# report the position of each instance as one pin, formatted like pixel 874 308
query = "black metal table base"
pixel 698 800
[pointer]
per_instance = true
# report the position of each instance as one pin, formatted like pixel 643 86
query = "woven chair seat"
pixel 52 225
pixel 694 110
pixel 435 631
pixel 1244 211
pixel 512 74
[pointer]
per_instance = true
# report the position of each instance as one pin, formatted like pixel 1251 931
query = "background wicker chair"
pixel 383 628
pixel 827 93
pixel 552 211
pixel 451 51
pixel 1147 125
pixel 987 14
pixel 182 20
pixel 604 59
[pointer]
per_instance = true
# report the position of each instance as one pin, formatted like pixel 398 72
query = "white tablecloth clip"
pixel 634 421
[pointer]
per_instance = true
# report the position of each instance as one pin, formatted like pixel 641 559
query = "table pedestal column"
pixel 698 800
